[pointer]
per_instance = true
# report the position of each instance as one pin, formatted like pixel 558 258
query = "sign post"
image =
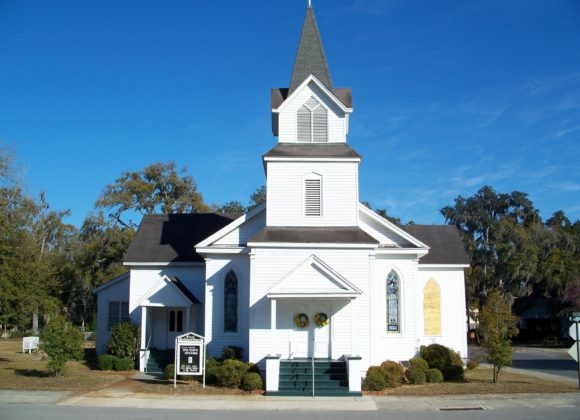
pixel 189 356
pixel 574 333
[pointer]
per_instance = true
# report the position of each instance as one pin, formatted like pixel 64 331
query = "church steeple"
pixel 310 58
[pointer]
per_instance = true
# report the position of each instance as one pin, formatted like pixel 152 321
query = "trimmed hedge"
pixel 419 363
pixel 434 376
pixel 454 373
pixel 416 375
pixel 105 362
pixel 252 381
pixel 394 373
pixel 375 380
pixel 123 364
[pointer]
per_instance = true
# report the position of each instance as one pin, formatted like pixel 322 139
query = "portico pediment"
pixel 168 292
pixel 314 278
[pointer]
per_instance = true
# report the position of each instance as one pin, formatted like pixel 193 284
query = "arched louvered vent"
pixel 312 122
pixel 313 195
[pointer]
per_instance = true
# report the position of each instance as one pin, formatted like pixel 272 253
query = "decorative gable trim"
pixel 392 227
pixel 339 286
pixel 320 85
pixel 231 227
pixel 182 297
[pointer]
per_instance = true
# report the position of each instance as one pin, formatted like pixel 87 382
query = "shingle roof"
pixel 325 150
pixel 279 95
pixel 324 235
pixel 445 243
pixel 184 289
pixel 310 58
pixel 168 238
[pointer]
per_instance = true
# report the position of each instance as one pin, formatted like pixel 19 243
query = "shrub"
pixel 61 342
pixel 454 373
pixel 375 380
pixel 416 375
pixel 437 356
pixel 251 381
pixel 455 357
pixel 124 341
pixel 105 362
pixel 230 373
pixel 122 364
pixel 434 376
pixel 472 364
pixel 394 373
pixel 232 352
pixel 419 363
pixel 211 371
pixel 169 371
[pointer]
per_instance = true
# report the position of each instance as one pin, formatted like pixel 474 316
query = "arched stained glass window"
pixel 231 302
pixel 393 297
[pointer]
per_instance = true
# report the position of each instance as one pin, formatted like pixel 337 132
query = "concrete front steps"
pixel 330 378
pixel 157 361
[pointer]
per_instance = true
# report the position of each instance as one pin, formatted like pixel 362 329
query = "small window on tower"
pixel 313 195
pixel 312 122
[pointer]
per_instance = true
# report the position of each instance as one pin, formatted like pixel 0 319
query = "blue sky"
pixel 448 95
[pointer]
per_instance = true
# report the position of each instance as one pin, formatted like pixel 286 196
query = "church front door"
pixel 313 340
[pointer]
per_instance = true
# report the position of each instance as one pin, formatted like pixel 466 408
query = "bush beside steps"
pixel 110 362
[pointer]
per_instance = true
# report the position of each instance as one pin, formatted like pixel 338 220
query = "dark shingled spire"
pixel 310 58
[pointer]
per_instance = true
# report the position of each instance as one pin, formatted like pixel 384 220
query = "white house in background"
pixel 312 250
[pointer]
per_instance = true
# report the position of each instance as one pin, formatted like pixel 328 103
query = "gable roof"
pixel 445 243
pixel 112 282
pixel 168 291
pixel 279 95
pixel 308 150
pixel 323 235
pixel 314 278
pixel 310 58
pixel 169 238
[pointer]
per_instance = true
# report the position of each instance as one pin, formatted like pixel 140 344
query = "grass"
pixel 479 381
pixel 22 371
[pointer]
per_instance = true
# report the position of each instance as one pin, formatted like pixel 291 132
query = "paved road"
pixel 548 361
pixel 17 411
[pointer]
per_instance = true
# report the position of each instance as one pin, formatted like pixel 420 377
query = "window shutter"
pixel 304 124
pixel 319 123
pixel 312 198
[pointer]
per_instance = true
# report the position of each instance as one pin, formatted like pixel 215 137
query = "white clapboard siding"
pixel 217 269
pixel 285 185
pixel 117 292
pixel 384 235
pixel 272 265
pixel 288 119
pixel 245 231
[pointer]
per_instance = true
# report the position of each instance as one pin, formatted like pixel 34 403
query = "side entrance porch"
pixel 167 310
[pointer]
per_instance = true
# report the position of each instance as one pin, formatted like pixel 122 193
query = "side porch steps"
pixel 330 379
pixel 157 361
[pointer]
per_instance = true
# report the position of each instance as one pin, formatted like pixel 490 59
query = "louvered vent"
pixel 312 122
pixel 312 197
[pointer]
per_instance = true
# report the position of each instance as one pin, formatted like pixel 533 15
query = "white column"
pixel 273 314
pixel 143 352
pixel 354 366
pixel 188 319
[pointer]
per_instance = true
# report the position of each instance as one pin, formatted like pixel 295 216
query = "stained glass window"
pixel 231 303
pixel 393 295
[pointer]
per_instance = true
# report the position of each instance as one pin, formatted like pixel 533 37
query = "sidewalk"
pixel 125 397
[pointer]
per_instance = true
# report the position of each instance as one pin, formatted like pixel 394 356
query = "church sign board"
pixel 189 356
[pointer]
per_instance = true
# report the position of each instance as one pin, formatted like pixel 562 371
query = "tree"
pixel 125 340
pixel 383 213
pixel 61 342
pixel 158 188
pixel 497 326
pixel 234 207
pixel 258 197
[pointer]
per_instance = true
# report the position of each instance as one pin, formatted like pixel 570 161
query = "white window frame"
pixel 386 304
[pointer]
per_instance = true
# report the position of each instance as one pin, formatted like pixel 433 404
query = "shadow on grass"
pixel 3 359
pixel 90 357
pixel 33 373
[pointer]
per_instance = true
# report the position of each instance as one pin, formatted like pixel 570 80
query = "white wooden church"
pixel 311 273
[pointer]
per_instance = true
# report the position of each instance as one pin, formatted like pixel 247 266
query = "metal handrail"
pixel 312 359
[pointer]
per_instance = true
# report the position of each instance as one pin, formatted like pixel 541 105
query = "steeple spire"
pixel 310 58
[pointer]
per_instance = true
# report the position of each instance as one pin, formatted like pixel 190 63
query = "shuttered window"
pixel 312 122
pixel 313 196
